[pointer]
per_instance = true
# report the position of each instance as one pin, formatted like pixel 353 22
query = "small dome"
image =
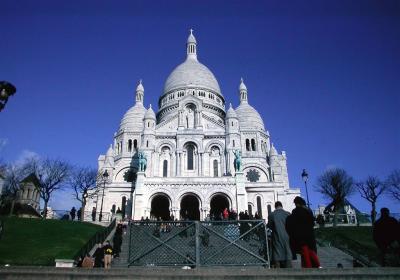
pixel 191 38
pixel 249 118
pixel 133 118
pixel 242 86
pixel 150 114
pixel 140 86
pixel 191 73
pixel 231 113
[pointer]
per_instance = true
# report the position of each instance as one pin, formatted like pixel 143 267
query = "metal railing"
pixel 195 243
pixel 98 237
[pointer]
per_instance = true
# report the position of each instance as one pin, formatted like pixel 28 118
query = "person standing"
pixel 94 214
pixel 99 256
pixel 87 262
pixel 78 214
pixel 73 213
pixel 281 252
pixel 300 228
pixel 225 214
pixel 385 231
pixel 108 252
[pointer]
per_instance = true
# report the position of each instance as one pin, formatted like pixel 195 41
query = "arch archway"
pixel 217 205
pixel 190 208
pixel 160 207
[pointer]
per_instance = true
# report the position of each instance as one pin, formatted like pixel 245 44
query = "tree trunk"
pixel 45 209
pixel 335 216
pixel 373 212
pixel 12 207
pixel 83 211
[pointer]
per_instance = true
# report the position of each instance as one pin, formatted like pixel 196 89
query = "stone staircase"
pixel 329 257
pixel 122 260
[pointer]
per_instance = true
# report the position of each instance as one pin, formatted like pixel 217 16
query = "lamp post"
pixel 6 90
pixel 304 176
pixel 105 176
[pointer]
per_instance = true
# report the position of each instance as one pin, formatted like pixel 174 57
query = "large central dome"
pixel 191 73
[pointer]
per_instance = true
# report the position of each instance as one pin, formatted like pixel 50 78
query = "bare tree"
pixel 393 184
pixel 335 185
pixel 83 181
pixel 52 174
pixel 371 189
pixel 13 175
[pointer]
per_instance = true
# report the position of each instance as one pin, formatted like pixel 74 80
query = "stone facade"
pixel 189 146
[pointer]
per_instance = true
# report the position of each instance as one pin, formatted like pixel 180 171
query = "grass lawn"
pixel 356 239
pixel 39 242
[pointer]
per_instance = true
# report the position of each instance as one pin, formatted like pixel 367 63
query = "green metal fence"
pixel 195 243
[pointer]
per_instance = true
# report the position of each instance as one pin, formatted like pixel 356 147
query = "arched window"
pixel 253 144
pixel 165 168
pixel 233 143
pixel 129 145
pixel 190 157
pixel 232 123
pixel 135 144
pixel 147 143
pixel 148 124
pixel 247 145
pixel 215 165
pixel 259 209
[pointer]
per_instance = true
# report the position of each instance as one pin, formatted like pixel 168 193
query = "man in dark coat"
pixel 385 232
pixel 73 213
pixel 300 227
pixel 99 256
pixel 281 252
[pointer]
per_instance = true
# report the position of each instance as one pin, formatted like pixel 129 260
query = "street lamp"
pixel 6 90
pixel 304 175
pixel 105 176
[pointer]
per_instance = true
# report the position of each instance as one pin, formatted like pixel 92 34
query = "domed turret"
pixel 248 117
pixel 133 118
pixel 191 72
pixel 231 113
pixel 150 114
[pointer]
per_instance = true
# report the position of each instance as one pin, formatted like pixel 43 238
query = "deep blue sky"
pixel 324 75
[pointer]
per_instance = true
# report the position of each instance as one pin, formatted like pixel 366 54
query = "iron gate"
pixel 195 243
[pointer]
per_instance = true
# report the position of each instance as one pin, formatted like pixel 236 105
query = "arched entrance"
pixel 190 208
pixel 160 207
pixel 218 203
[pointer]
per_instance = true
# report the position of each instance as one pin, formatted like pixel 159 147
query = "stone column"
pixel 241 195
pixel 201 164
pixel 138 203
pixel 181 123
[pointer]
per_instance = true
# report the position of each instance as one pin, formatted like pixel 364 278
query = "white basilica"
pixel 189 145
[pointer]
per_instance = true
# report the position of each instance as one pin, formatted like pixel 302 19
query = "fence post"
pixel 267 245
pixel 197 238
